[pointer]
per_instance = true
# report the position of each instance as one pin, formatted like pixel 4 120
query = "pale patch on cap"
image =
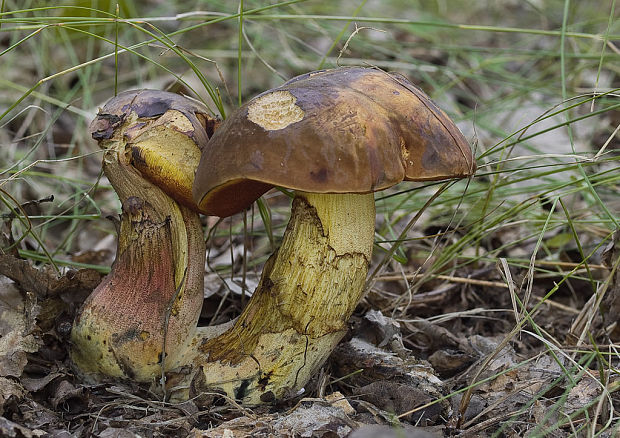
pixel 275 111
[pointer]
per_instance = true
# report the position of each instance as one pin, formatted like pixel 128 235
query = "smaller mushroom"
pixel 145 311
pixel 334 137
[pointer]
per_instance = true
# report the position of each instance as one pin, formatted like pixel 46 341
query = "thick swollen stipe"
pixel 299 312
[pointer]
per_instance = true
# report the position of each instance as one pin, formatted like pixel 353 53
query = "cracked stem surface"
pixel 300 310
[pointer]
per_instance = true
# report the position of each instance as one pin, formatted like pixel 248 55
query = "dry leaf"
pixel 9 391
pixel 338 400
pixel 582 394
pixel 314 421
pixel 17 325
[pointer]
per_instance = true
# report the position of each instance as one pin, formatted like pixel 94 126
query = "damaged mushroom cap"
pixel 346 130
pixel 162 120
pixel 143 313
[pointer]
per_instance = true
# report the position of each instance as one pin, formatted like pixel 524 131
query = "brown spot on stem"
pixel 133 205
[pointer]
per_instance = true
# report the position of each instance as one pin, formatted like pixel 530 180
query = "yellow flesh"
pixel 166 156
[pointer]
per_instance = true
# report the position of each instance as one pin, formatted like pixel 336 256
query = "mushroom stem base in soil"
pixel 299 312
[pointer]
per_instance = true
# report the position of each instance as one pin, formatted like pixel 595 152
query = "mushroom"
pixel 146 309
pixel 334 137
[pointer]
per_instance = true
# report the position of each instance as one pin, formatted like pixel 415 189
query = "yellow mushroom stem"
pixel 299 312
pixel 145 311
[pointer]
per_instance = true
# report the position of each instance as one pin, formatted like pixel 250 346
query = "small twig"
pixel 13 214
pixel 443 277
pixel 355 32
pixel 473 431
pixel 27 223
pixel 476 283
pixel 613 47
pixel 570 265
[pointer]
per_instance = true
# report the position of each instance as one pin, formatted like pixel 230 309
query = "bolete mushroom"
pixel 147 308
pixel 335 137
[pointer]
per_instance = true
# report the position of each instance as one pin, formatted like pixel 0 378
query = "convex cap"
pixel 346 130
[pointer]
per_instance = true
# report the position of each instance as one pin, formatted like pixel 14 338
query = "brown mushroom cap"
pixel 346 130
